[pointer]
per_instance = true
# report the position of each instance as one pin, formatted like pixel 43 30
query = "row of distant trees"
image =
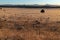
pixel 30 6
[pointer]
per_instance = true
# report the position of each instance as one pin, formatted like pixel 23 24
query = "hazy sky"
pixel 55 2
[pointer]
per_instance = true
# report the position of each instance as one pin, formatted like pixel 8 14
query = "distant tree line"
pixel 29 6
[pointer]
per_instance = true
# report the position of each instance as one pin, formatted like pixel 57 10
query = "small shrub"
pixel 42 11
pixel 16 38
pixel 36 24
pixel 12 38
pixel 58 22
pixel 18 27
pixel 1 8
pixel 53 29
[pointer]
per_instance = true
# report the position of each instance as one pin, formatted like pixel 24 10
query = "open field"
pixel 29 24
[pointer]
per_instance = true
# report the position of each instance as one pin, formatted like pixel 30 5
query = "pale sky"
pixel 40 2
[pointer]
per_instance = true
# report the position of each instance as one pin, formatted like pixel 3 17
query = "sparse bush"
pixel 18 27
pixel 58 22
pixel 36 24
pixel 53 29
pixel 1 8
pixel 42 11
pixel 12 38
pixel 0 24
pixel 2 20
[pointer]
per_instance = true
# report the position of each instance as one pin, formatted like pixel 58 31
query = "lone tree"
pixel 42 11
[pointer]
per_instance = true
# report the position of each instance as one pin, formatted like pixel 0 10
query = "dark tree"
pixel 42 11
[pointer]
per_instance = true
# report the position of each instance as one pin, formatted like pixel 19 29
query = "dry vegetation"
pixel 29 24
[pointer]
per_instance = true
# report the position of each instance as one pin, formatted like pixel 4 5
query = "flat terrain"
pixel 29 24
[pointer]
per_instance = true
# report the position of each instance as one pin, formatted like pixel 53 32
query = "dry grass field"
pixel 29 24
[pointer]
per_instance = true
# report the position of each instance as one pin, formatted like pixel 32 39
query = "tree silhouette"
pixel 42 11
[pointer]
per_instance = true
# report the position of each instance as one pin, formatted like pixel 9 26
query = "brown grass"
pixel 29 24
